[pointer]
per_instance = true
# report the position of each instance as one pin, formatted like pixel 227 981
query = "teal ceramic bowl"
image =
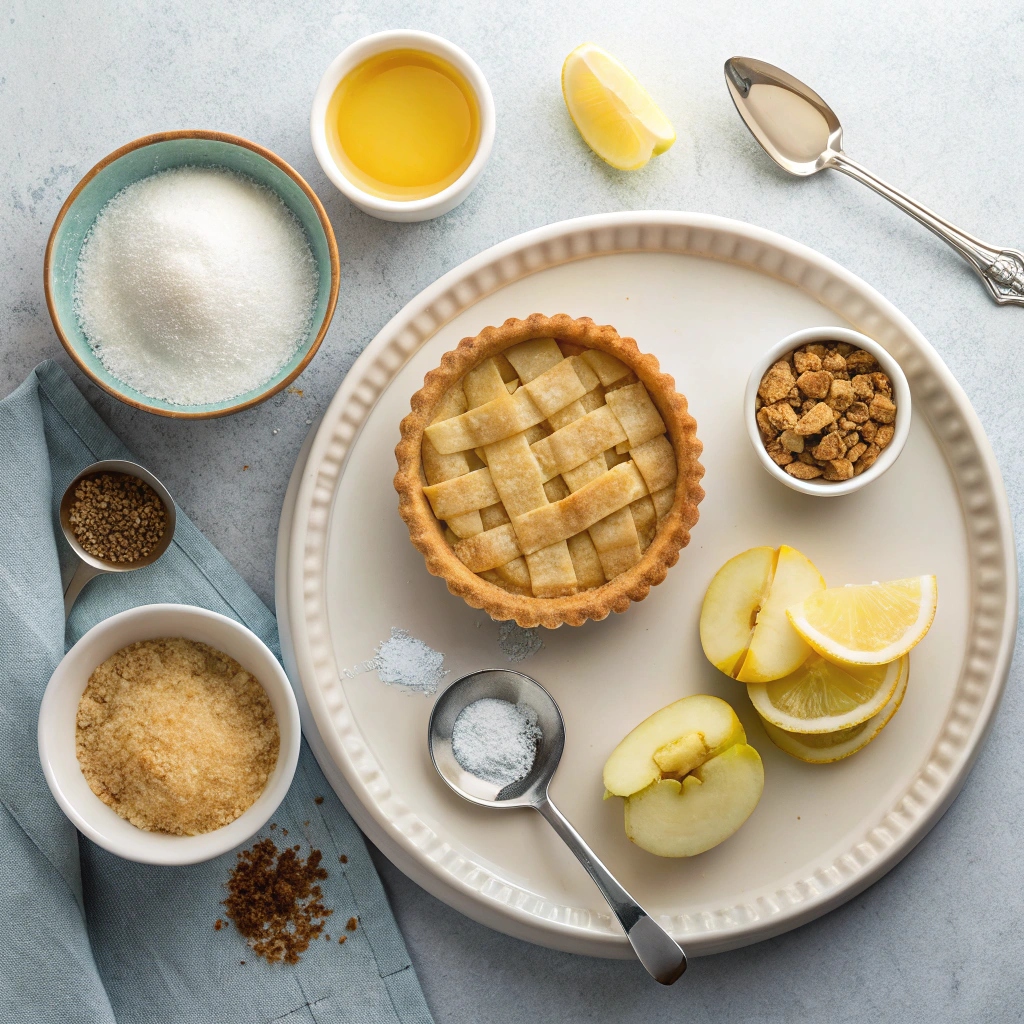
pixel 146 156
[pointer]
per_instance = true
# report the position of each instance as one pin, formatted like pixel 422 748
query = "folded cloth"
pixel 88 937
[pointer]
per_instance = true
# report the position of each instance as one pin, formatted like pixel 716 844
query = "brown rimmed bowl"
pixel 146 156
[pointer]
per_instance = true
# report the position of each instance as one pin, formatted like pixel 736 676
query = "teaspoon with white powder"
pixel 482 732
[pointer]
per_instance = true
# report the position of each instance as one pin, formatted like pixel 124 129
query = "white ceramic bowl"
pixel 59 709
pixel 361 50
pixel 901 391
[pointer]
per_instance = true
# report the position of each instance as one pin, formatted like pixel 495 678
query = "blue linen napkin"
pixel 84 935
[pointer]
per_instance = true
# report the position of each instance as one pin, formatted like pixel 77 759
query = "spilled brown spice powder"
pixel 275 901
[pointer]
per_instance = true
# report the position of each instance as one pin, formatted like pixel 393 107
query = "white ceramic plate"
pixel 707 296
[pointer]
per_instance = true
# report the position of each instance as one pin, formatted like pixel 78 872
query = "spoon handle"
pixel 83 574
pixel 1002 270
pixel 656 949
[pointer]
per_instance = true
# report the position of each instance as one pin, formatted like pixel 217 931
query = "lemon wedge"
pixel 867 625
pixel 822 697
pixel 824 748
pixel 613 112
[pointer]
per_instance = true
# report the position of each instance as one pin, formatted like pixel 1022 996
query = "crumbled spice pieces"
pixel 341 941
pixel 318 800
pixel 275 900
pixel 825 411
pixel 352 924
pixel 343 859
pixel 117 517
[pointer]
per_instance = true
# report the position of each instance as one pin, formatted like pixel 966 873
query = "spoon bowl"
pixel 516 688
pixel 790 121
pixel 88 566
pixel 654 947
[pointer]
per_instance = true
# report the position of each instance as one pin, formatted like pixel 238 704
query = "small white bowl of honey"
pixel 403 124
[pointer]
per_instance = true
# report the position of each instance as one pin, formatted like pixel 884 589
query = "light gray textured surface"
pixel 929 95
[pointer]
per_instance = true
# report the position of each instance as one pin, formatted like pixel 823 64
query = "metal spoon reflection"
pixel 656 949
pixel 802 134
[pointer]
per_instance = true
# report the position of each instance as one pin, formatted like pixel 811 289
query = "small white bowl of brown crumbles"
pixel 827 410
pixel 169 734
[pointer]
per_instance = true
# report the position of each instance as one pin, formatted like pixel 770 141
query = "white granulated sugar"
pixel 517 643
pixel 195 285
pixel 402 660
pixel 496 740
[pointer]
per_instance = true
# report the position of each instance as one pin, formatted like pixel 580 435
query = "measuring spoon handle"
pixel 656 949
pixel 83 574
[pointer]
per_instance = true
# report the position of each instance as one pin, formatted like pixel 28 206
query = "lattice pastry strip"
pixel 551 470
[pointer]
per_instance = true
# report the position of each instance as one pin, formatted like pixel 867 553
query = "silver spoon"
pixel 88 566
pixel 656 949
pixel 800 132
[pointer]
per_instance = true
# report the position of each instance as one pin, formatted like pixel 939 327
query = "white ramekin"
pixel 59 709
pixel 901 390
pixel 381 42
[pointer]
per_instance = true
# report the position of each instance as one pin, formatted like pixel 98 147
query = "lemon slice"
pixel 824 748
pixel 821 697
pixel 613 112
pixel 867 625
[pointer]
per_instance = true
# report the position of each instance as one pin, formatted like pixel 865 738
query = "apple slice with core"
pixel 689 778
pixel 743 625
pixel 731 604
pixel 680 736
pixel 681 819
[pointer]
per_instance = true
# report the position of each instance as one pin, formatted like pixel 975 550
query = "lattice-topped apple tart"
pixel 549 471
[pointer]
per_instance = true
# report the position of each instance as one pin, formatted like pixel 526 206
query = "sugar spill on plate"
pixel 402 660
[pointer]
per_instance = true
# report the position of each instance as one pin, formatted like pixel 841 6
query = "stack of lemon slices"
pixel 853 683
pixel 852 679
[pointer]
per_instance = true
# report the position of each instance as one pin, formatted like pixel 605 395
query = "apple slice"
pixel 729 612
pixel 674 740
pixel 743 625
pixel 681 819
pixel 687 775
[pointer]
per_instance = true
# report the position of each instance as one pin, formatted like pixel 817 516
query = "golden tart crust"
pixel 516 561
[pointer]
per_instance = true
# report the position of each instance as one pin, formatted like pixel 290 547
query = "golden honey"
pixel 403 125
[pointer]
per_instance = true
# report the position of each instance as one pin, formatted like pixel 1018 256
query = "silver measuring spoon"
pixel 656 949
pixel 802 134
pixel 88 566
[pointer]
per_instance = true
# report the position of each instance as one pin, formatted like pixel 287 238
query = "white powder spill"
pixel 195 285
pixel 402 660
pixel 517 643
pixel 496 740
